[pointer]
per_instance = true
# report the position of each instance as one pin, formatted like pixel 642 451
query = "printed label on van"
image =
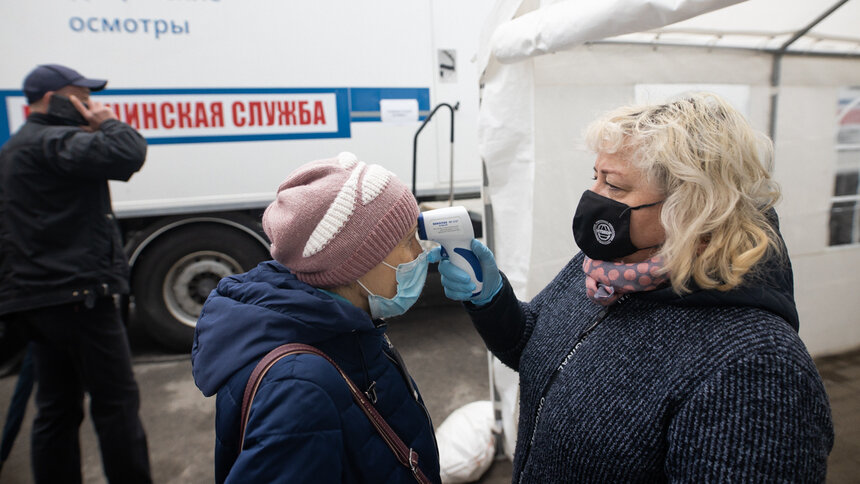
pixel 165 116
pixel 184 116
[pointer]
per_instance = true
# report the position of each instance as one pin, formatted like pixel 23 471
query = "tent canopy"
pixel 821 27
pixel 767 25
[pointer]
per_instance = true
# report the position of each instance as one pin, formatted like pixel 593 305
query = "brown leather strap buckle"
pixel 413 463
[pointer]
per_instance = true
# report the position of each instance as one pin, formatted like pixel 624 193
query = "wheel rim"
pixel 190 280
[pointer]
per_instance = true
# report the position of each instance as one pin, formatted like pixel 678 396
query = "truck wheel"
pixel 175 275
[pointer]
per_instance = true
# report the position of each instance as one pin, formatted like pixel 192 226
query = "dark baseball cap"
pixel 51 77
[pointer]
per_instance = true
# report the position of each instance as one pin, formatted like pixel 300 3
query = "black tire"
pixel 175 274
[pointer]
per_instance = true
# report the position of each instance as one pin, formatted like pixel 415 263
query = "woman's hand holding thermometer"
pixel 467 266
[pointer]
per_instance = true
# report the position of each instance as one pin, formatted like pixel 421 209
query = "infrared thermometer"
pixel 451 227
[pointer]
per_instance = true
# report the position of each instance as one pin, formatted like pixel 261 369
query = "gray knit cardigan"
pixel 713 387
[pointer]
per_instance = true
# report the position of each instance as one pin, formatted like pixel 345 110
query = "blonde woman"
pixel 667 350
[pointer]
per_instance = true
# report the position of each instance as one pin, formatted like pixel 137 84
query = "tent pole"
pixel 775 71
pixel 800 33
pixel 776 66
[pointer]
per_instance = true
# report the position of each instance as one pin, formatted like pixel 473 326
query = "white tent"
pixel 792 66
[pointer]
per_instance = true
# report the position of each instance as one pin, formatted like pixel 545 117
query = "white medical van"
pixel 232 95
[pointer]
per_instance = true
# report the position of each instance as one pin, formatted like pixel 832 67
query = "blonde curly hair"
pixel 714 169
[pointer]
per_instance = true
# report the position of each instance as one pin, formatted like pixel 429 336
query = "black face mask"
pixel 601 227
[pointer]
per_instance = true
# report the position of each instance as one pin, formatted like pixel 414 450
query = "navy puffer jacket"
pixel 304 425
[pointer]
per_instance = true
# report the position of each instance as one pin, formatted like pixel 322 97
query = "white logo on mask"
pixel 604 232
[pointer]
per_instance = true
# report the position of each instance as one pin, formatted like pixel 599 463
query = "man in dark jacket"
pixel 62 263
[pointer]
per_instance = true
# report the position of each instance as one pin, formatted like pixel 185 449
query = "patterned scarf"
pixel 605 282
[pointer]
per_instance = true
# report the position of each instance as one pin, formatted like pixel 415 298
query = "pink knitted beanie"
pixel 333 220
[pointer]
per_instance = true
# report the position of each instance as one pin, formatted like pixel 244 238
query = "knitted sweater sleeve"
pixel 764 418
pixel 505 323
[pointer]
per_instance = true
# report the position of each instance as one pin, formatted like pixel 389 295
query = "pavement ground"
pixel 445 356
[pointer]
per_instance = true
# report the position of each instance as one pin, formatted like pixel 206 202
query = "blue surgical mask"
pixel 410 282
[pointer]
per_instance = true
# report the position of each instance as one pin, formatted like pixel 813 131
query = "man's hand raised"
pixel 96 114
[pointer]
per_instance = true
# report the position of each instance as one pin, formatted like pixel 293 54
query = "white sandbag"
pixel 466 441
